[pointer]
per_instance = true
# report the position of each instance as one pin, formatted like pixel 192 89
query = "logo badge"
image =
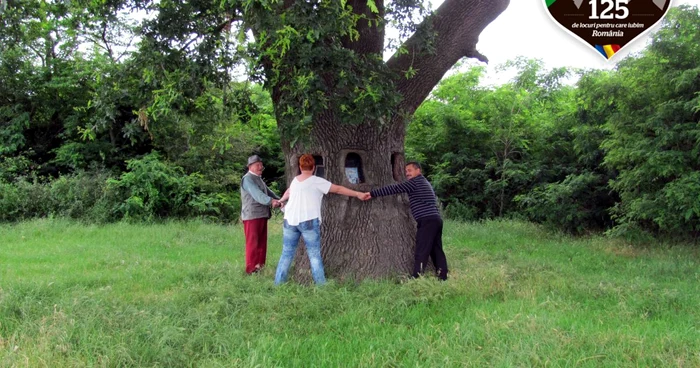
pixel 607 25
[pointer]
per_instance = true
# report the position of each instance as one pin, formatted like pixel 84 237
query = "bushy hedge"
pixel 150 189
pixel 576 204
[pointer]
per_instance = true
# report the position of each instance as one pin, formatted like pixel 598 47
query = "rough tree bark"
pixel 376 238
pixel 359 239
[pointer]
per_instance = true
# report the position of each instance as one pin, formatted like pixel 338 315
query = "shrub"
pixel 155 189
pixel 460 211
pixel 24 199
pixel 82 196
pixel 151 189
pixel 574 205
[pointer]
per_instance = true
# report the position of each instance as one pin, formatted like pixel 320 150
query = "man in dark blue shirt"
pixel 425 211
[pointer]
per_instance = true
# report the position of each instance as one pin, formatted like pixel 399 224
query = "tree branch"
pixel 371 39
pixel 38 53
pixel 103 36
pixel 220 27
pixel 457 25
pixel 126 48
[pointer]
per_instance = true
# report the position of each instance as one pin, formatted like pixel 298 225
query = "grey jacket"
pixel 256 198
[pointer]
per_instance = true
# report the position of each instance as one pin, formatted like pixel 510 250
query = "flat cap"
pixel 253 159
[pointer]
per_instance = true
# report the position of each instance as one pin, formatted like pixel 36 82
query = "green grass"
pixel 175 295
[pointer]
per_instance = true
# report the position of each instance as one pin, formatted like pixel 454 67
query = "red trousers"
pixel 255 243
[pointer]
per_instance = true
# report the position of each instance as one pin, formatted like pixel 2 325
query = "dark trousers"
pixel 255 243
pixel 429 244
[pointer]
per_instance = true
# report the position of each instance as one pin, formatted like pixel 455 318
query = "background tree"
pixel 570 191
pixel 84 100
pixel 655 130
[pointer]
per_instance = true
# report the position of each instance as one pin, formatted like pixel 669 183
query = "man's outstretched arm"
pixel 405 187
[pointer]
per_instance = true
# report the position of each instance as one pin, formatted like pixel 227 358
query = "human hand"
pixel 275 203
pixel 364 196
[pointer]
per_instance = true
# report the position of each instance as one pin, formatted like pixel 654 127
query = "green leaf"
pixel 372 6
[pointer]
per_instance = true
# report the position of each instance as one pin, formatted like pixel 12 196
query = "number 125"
pixel 621 11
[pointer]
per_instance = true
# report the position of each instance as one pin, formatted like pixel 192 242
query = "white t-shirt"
pixel 305 199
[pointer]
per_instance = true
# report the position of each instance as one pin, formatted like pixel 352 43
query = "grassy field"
pixel 175 295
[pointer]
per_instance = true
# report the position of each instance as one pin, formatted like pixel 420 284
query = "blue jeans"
pixel 311 231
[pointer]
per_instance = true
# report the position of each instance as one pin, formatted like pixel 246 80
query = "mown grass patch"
pixel 176 294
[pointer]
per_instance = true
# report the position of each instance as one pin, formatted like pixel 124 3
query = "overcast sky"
pixel 526 29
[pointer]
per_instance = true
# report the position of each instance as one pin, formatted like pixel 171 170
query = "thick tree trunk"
pixel 359 239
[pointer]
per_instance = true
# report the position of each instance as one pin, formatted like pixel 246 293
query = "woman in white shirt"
pixel 302 218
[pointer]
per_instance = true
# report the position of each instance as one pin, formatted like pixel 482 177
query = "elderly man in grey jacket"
pixel 256 200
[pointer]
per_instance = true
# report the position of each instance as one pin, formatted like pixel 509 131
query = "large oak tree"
pixel 337 98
